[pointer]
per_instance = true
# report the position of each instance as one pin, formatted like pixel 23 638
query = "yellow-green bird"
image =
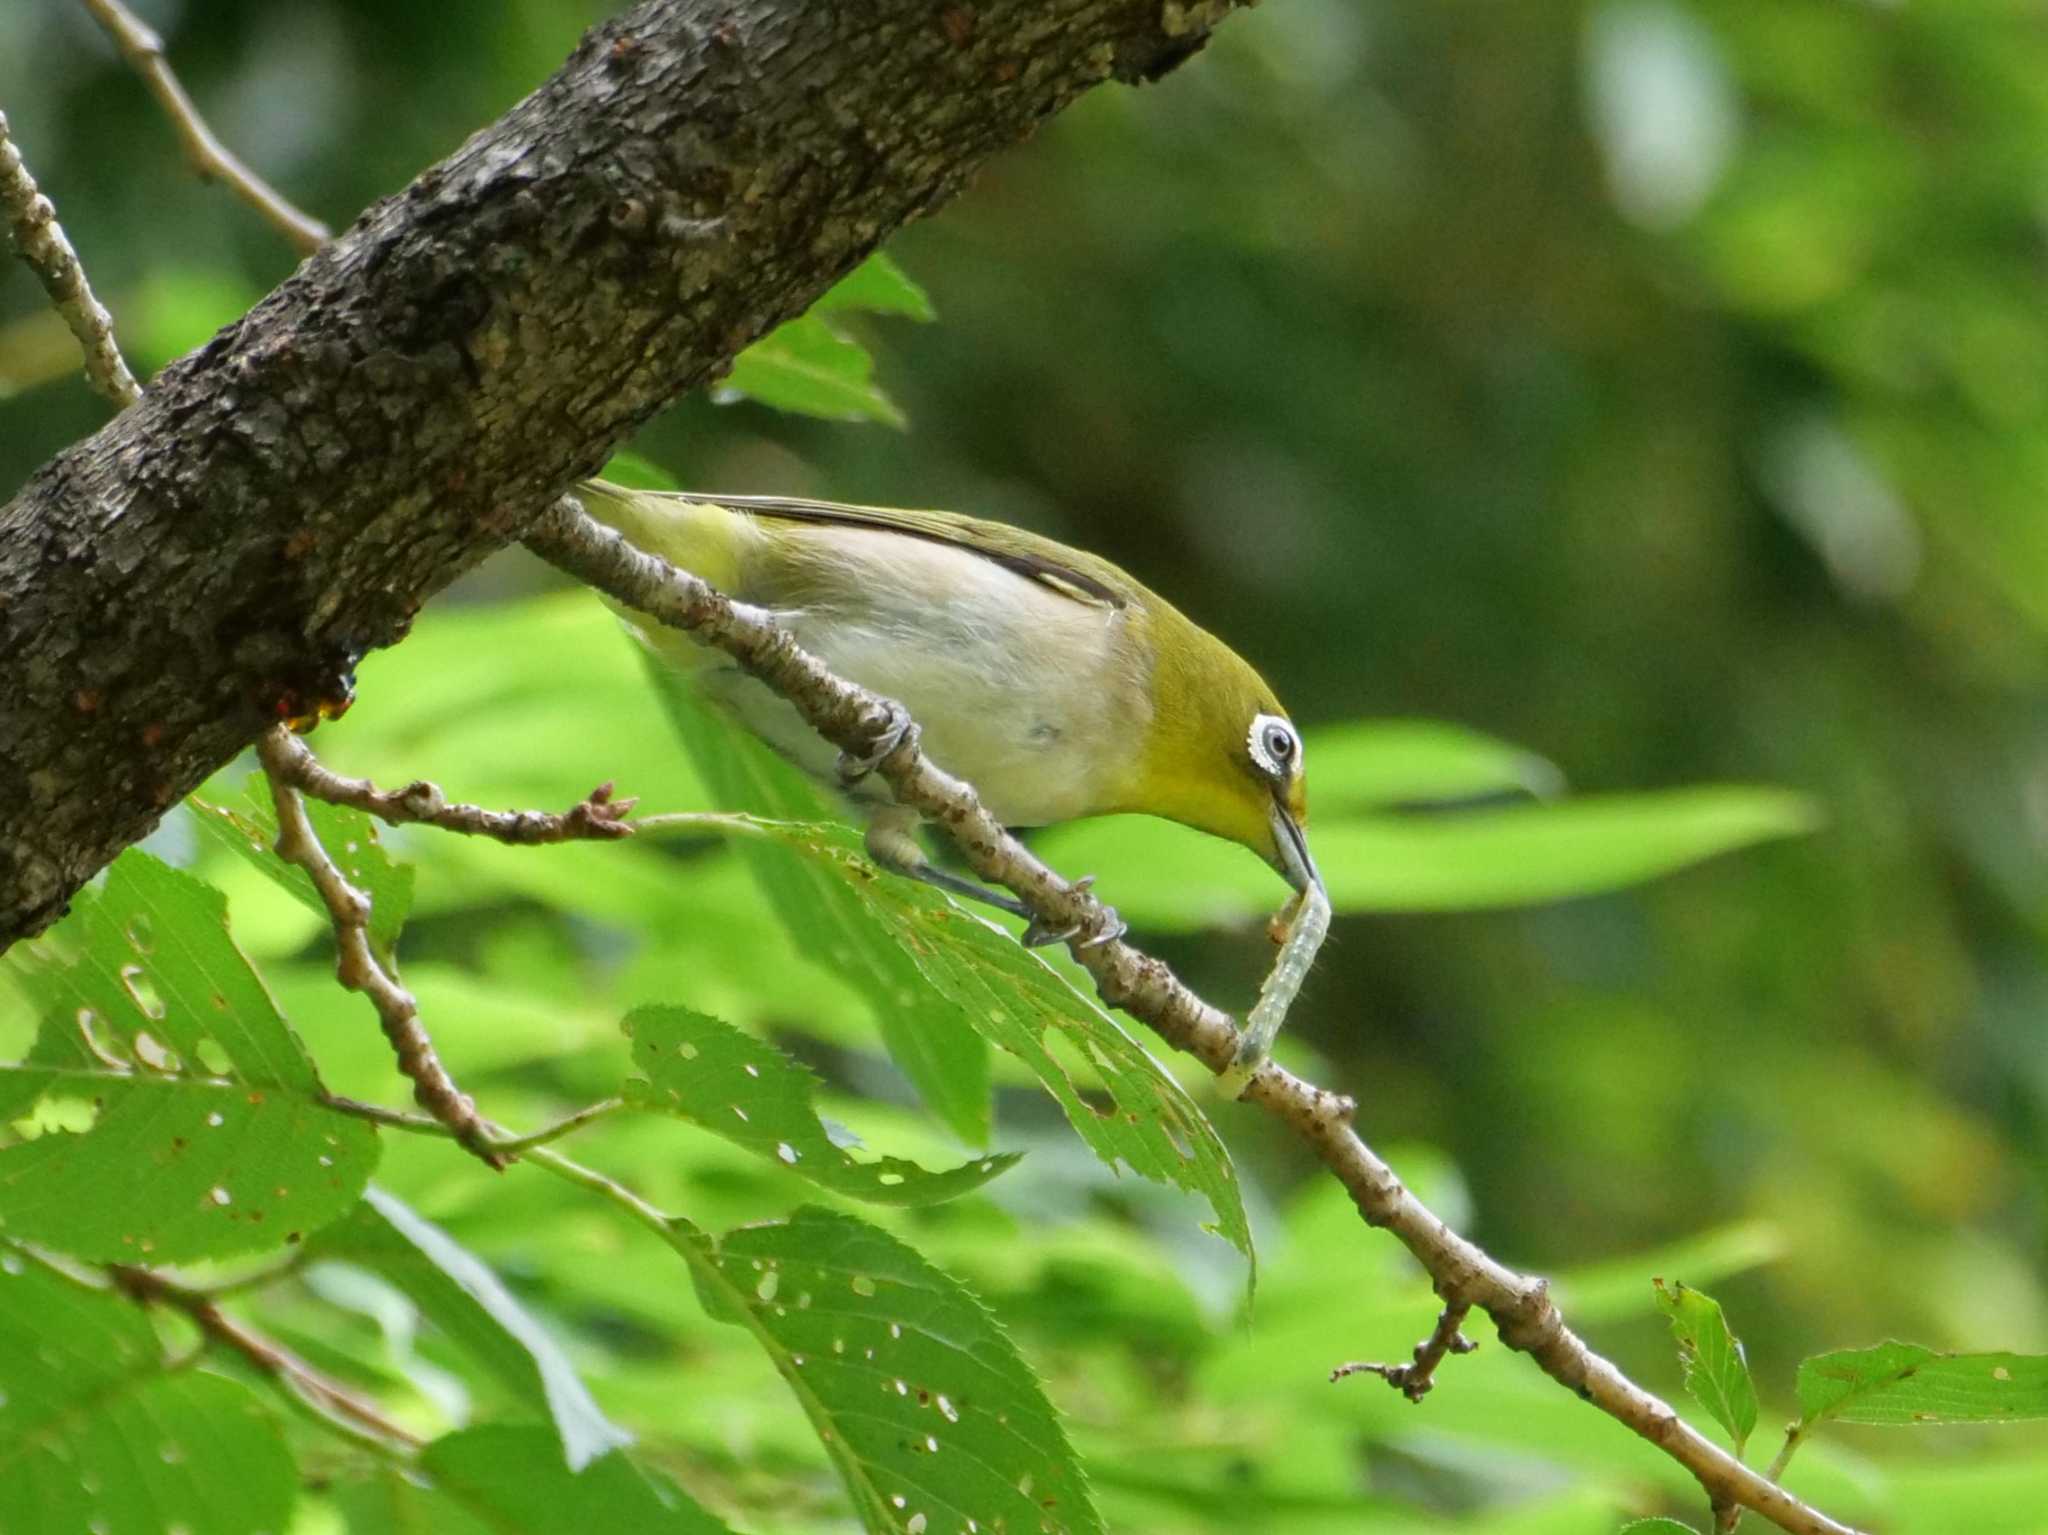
pixel 1046 677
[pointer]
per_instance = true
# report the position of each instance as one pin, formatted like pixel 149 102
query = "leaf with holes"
pixel 94 1435
pixel 510 1480
pixel 931 1416
pixel 1716 1373
pixel 928 1035
pixel 1126 1106
pixel 458 1292
pixel 249 831
pixel 195 1123
pixel 751 1093
pixel 1903 1383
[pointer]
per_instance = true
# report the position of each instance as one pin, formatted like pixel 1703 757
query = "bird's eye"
pixel 1273 746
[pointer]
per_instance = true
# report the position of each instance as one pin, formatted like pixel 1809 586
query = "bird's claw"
pixel 900 727
pixel 1038 935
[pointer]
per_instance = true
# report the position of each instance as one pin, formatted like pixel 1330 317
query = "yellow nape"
pixel 1195 766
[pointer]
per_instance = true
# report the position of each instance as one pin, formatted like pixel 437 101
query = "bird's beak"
pixel 1292 845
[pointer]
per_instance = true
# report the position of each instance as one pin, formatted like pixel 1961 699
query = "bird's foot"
pixel 1039 935
pixel 898 728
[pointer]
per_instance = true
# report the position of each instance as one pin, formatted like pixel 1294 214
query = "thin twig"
pixel 1414 1378
pixel 210 158
pixel 42 243
pixel 422 803
pixel 856 721
pixel 568 1124
pixel 501 1143
pixel 356 965
pixel 334 1403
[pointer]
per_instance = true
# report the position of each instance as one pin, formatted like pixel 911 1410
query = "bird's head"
pixel 1221 754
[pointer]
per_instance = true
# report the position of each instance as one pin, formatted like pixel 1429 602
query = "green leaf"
pixel 1716 1373
pixel 808 367
pixel 176 1168
pixel 1615 1288
pixel 1901 1383
pixel 930 1414
pixel 196 1129
pixel 931 1038
pixel 1167 878
pixel 93 1436
pixel 1657 1526
pixel 879 286
pixel 510 1480
pixel 752 1094
pixel 638 473
pixel 458 1292
pixel 179 308
pixel 352 840
pixel 1132 1111
pixel 1371 764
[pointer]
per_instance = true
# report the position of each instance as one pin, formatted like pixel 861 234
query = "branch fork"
pixel 1415 1378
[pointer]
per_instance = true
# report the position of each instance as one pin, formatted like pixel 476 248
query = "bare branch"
pixel 328 1398
pixel 210 158
pixel 356 965
pixel 598 817
pixel 1414 1378
pixel 855 720
pixel 42 243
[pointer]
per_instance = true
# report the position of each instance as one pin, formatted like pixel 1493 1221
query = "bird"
pixel 1056 684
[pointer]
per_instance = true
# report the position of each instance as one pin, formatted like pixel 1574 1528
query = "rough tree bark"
pixel 285 498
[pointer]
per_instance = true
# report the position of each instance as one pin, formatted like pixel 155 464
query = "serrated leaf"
pixel 1133 1111
pixel 1903 1383
pixel 94 1437
pixel 879 286
pixel 352 840
pixel 1372 764
pixel 510 1480
pixel 1168 878
pixel 143 974
pixel 1716 1373
pixel 1658 1526
pixel 928 1036
pixel 752 1094
pixel 808 367
pixel 458 1292
pixel 931 1416
pixel 195 1128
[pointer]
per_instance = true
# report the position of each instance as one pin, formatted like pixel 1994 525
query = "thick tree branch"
pixel 1467 1277
pixel 284 499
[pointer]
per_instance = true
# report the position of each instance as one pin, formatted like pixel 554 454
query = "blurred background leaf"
pixel 1660 389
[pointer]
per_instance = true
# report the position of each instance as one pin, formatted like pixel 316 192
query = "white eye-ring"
pixel 1274 747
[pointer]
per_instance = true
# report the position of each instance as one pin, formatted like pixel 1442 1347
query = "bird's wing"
pixel 1069 572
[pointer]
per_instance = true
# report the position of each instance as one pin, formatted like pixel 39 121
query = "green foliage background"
pixel 1660 389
